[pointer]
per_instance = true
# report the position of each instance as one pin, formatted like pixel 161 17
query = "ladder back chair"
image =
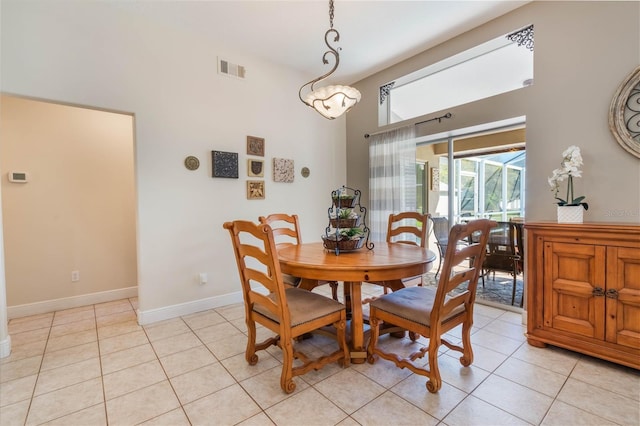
pixel 288 312
pixel 286 231
pixel 408 228
pixel 431 312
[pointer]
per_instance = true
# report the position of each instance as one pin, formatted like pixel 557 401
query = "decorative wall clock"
pixel 624 114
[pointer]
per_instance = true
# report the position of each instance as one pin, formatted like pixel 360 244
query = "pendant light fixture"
pixel 330 101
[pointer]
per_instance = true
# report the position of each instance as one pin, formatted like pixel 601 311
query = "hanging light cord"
pixel 331 51
pixel 331 10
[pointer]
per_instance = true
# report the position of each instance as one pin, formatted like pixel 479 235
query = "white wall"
pixel 98 54
pixel 583 51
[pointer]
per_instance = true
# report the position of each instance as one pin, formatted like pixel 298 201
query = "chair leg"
pixel 334 290
pixel 341 328
pixel 435 381
pixel 374 323
pixel 250 354
pixel 286 378
pixel 467 351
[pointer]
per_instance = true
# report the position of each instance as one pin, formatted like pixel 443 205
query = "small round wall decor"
pixel 624 114
pixel 191 163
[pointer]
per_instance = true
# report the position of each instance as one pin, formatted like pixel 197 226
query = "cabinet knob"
pixel 598 291
pixel 612 293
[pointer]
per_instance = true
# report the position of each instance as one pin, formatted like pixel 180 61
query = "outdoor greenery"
pixel 492 183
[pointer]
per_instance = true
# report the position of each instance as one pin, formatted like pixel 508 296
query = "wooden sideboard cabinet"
pixel 583 288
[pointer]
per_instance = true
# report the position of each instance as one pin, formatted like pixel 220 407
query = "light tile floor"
pixel 95 365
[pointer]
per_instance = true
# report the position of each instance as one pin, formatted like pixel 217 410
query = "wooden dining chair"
pixel 407 228
pixel 286 231
pixel 289 312
pixel 432 312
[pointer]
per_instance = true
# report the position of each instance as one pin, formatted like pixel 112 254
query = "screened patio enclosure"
pixel 485 186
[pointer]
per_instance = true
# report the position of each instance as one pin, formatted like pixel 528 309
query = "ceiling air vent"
pixel 230 69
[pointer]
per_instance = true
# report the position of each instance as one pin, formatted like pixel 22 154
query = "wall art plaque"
pixel 255 189
pixel 225 164
pixel 283 170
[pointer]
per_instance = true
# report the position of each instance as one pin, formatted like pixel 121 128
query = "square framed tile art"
pixel 224 164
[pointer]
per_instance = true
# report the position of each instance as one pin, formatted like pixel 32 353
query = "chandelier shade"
pixel 330 101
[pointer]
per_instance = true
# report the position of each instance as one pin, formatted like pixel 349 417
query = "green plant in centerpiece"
pixel 351 233
pixel 343 199
pixel 347 214
pixel 570 168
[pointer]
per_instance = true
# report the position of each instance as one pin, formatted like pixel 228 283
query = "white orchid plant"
pixel 570 168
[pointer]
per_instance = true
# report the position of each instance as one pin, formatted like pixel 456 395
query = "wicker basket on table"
pixel 344 201
pixel 343 244
pixel 344 223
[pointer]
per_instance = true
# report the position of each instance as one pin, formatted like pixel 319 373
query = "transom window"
pixel 497 66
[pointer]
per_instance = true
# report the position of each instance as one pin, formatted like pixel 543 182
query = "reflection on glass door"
pixel 422 193
pixel 485 186
pixel 466 190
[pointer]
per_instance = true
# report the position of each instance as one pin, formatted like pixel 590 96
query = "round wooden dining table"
pixel 386 263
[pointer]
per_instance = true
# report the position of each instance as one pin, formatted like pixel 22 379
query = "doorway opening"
pixel 69 231
pixel 482 177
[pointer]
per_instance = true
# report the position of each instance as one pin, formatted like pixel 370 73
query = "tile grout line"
pixel 35 385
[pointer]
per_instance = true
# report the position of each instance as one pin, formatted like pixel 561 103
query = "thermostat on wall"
pixel 18 177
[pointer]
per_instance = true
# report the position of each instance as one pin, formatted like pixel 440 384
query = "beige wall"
pixel 77 211
pixel 583 50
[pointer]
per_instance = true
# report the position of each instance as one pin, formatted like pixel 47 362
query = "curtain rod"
pixel 439 119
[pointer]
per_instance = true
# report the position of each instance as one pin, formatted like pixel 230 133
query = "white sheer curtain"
pixel 392 177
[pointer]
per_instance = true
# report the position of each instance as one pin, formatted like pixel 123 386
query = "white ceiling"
pixel 373 34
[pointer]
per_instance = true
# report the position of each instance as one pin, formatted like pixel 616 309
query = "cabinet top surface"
pixel 592 226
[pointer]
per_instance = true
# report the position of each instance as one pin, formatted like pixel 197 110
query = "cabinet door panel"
pixel 574 281
pixel 623 304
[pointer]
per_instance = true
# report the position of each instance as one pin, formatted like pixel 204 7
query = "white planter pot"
pixel 570 214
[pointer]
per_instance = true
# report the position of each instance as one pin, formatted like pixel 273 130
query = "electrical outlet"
pixel 75 276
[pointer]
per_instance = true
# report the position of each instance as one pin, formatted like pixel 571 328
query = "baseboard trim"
pixel 502 306
pixel 5 347
pixel 167 312
pixel 70 302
